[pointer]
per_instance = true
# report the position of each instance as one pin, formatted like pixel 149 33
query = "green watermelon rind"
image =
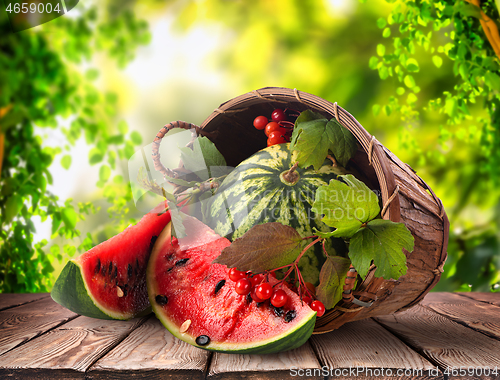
pixel 286 341
pixel 70 290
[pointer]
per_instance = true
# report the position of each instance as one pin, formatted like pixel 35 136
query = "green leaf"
pixel 13 206
pixel 386 33
pixel 492 80
pixel 182 182
pixel 346 205
pixel 380 50
pixel 263 247
pixel 136 138
pixel 381 23
pixel 381 241
pixel 437 60
pixel 331 280
pixel 409 81
pixel 66 161
pixel 311 141
pixel 95 156
pixel 308 115
pixel 69 216
pixel 204 159
pixel 345 145
pixel 104 173
pixel 412 65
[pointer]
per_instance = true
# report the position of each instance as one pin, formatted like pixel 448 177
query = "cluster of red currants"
pixel 260 291
pixel 278 130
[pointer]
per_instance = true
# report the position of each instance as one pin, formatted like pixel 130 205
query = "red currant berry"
pixel 279 298
pixel 257 279
pixel 243 286
pixel 278 115
pixel 260 122
pixel 255 297
pixel 235 274
pixel 318 307
pixel 264 291
pixel 276 137
pixel 273 126
pixel 307 300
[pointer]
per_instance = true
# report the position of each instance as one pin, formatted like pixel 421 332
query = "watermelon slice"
pixel 196 301
pixel 109 280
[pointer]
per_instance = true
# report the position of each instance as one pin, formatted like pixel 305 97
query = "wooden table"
pixel 447 336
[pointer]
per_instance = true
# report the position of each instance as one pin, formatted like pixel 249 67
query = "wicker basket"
pixel 405 196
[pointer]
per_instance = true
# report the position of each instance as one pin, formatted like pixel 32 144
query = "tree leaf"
pixel 331 280
pixel 69 216
pixel 345 145
pixel 263 247
pixel 381 241
pixel 66 161
pixel 346 205
pixel 310 143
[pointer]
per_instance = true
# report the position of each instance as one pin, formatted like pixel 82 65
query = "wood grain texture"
pixel 477 315
pixel 262 367
pixel 151 352
pixel 367 347
pixel 66 351
pixel 442 341
pixel 22 323
pixel 8 300
pixel 493 298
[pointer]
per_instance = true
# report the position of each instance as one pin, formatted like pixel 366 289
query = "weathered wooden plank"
pixel 443 341
pixel 22 323
pixel 151 352
pixel 478 315
pixel 66 351
pixel 8 300
pixel 365 350
pixel 262 367
pixel 493 298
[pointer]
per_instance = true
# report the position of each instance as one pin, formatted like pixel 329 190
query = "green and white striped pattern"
pixel 253 193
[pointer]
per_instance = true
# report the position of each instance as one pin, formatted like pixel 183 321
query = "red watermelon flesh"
pixel 187 290
pixel 109 280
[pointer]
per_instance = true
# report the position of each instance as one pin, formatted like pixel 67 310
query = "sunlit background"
pixel 139 65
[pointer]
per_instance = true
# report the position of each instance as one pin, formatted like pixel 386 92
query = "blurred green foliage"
pixel 420 75
pixel 41 86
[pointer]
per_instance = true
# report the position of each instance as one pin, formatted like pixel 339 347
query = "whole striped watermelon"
pixel 257 191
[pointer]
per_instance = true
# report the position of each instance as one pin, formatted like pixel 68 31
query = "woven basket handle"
pixel 158 138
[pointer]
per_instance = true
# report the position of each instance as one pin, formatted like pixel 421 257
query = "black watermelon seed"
pixel 98 266
pixel 110 268
pixel 152 242
pixel 290 315
pixel 181 262
pixel 129 271
pixel 219 285
pixel 115 273
pixel 249 298
pixel 125 290
pixel 259 304
pixel 103 270
pixel 161 300
pixel 278 311
pixel 202 340
pixel 169 269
